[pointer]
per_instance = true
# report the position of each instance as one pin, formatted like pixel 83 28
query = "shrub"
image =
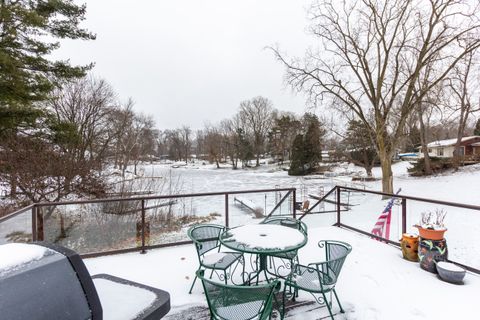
pixel 438 165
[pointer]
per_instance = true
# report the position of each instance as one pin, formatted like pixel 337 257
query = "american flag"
pixel 382 226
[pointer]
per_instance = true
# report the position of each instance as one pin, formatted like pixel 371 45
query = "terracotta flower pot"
pixel 431 234
pixel 409 245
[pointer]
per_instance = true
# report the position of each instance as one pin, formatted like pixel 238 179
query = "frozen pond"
pixel 197 179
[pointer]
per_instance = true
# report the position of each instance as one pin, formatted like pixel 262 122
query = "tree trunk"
pixel 63 233
pixel 461 128
pixel 258 160
pixel 13 185
pixel 367 165
pixel 423 142
pixel 456 153
pixel 387 175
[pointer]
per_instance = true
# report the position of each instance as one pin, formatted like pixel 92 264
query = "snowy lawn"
pixel 376 283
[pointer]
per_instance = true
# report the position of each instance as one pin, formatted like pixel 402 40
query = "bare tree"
pixel 464 98
pixel 256 114
pixel 373 54
pixel 186 139
pixel 134 137
pixel 213 141
pixel 427 110
pixel 86 105
pixel 231 133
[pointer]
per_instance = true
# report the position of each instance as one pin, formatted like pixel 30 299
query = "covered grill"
pixel 43 281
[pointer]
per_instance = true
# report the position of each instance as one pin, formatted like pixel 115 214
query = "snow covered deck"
pixel 376 283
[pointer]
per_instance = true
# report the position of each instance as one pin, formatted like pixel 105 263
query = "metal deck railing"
pixel 122 225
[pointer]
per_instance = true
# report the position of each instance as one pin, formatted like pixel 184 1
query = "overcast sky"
pixel 192 61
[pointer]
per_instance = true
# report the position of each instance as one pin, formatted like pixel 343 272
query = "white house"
pixel 444 148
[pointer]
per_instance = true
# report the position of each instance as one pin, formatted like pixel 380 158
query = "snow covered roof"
pixel 448 142
pixel 476 144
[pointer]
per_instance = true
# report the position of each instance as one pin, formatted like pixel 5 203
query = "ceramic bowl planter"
pixel 431 234
pixel 450 272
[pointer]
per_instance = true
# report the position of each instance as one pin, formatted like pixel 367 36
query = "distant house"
pixel 469 146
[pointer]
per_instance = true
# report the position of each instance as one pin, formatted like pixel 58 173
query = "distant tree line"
pixel 256 131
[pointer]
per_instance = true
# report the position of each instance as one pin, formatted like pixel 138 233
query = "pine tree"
pixel 307 147
pixel 28 74
pixel 314 133
pixel 298 161
pixel 361 150
pixel 476 131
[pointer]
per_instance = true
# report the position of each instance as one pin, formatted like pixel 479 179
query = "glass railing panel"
pixel 92 227
pixel 365 210
pixel 167 220
pixel 253 207
pixel 319 213
pixel 462 234
pixel 17 228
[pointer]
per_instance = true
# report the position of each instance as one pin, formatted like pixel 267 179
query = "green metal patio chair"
pixel 206 240
pixel 284 261
pixel 228 302
pixel 321 277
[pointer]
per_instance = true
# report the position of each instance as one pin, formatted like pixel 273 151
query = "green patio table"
pixel 263 240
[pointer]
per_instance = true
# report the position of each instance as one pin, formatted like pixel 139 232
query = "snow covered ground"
pixel 376 283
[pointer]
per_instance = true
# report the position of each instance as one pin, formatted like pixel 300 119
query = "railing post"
pixel 227 223
pixel 338 206
pixel 39 224
pixel 404 215
pixel 143 227
pixel 34 223
pixel 294 203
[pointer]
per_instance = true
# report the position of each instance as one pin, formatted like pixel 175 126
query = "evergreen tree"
pixel 314 133
pixel 476 131
pixel 285 129
pixel 307 147
pixel 27 73
pixel 298 161
pixel 360 148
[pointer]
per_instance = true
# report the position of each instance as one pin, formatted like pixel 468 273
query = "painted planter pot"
pixel 431 233
pixel 431 251
pixel 409 245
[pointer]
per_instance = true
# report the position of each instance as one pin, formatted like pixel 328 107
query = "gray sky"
pixel 191 61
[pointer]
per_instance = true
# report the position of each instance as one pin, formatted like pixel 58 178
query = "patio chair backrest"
pixel 286 222
pixel 238 302
pixel 335 252
pixel 205 237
